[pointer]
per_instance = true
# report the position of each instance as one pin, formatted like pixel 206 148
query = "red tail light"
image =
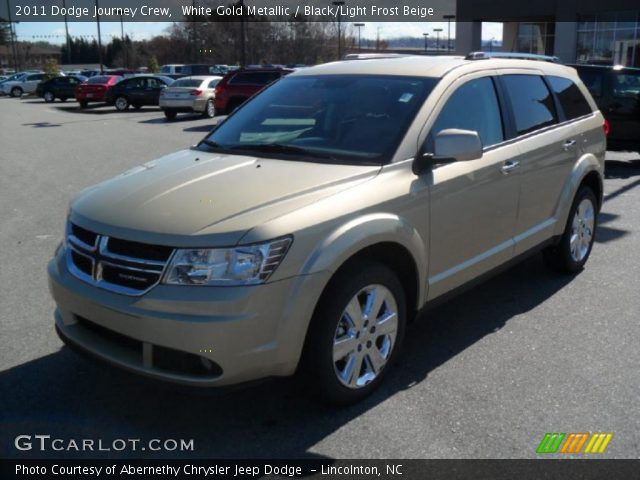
pixel 606 127
pixel 196 92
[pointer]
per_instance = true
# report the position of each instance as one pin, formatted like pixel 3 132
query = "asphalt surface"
pixel 483 376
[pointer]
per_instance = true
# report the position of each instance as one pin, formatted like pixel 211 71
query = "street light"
pixel 99 38
pixel 426 38
pixel 124 43
pixel 339 4
pixel 359 26
pixel 437 30
pixel 448 18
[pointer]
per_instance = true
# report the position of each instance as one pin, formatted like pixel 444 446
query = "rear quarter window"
pixel 571 99
pixel 531 101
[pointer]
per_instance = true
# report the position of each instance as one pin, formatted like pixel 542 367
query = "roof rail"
pixel 371 56
pixel 514 55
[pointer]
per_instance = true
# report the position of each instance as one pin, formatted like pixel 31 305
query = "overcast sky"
pixel 32 31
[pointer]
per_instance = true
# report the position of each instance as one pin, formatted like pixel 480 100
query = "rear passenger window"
pixel 592 79
pixel 531 101
pixel 474 106
pixel 571 99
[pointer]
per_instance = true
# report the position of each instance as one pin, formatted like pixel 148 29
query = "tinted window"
pixel 626 84
pixel 254 78
pixel 154 83
pixel 135 83
pixel 531 101
pixel 39 76
pixel 474 106
pixel 592 79
pixel 571 99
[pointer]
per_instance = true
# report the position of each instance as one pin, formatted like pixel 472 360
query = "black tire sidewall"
pixel 319 345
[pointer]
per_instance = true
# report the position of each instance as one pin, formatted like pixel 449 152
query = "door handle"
pixel 509 165
pixel 568 145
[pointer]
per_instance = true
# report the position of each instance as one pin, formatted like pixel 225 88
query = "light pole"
pixel 359 26
pixel 437 30
pixel 99 38
pixel 448 18
pixel 66 31
pixel 13 39
pixel 426 40
pixel 491 44
pixel 124 43
pixel 339 3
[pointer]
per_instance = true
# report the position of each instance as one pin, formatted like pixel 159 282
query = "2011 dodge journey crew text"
pixel 311 225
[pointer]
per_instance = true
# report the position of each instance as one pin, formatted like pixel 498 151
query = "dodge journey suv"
pixel 308 228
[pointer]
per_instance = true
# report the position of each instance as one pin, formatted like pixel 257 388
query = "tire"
pixel 333 375
pixel 571 253
pixel 49 97
pixel 63 99
pixel 84 104
pixel 16 92
pixel 121 103
pixel 209 110
pixel 137 106
pixel 170 114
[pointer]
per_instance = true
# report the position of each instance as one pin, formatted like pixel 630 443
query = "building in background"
pixel 583 31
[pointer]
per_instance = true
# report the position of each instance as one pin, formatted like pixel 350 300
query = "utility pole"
pixel 448 18
pixel 339 4
pixel 12 34
pixel 359 26
pixel 437 30
pixel 426 42
pixel 99 39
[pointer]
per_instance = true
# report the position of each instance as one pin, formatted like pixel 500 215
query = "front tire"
pixel 574 248
pixel 122 104
pixel 356 332
pixel 83 104
pixel 49 97
pixel 16 92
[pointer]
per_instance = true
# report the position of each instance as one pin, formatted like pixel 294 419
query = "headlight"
pixel 244 265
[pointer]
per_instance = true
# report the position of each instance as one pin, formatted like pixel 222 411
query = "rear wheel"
pixel 16 92
pixel 170 114
pixel 209 110
pixel 574 248
pixel 356 332
pixel 136 106
pixel 49 97
pixel 63 99
pixel 122 104
pixel 84 104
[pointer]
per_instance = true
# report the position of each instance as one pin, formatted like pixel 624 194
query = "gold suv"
pixel 309 226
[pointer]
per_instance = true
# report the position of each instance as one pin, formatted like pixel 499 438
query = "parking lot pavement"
pixel 485 375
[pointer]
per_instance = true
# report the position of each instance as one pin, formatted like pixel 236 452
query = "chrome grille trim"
pixel 100 256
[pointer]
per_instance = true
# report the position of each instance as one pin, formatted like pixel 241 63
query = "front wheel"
pixel 16 92
pixel 122 104
pixel 83 104
pixel 574 248
pixel 356 332
pixel 49 97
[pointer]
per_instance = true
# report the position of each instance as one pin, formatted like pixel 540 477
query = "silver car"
pixel 190 94
pixel 27 84
pixel 308 228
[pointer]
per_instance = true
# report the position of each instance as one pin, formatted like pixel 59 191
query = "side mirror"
pixel 450 145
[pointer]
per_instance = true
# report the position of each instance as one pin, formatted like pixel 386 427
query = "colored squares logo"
pixel 574 443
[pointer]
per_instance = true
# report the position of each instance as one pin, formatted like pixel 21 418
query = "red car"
pixel 237 86
pixel 95 89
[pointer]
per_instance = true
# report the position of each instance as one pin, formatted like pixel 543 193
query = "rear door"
pixel 624 106
pixel 547 151
pixel 32 81
pixel 152 89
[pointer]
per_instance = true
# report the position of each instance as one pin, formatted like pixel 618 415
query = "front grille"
pixel 115 264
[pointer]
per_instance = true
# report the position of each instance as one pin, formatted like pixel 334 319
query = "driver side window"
pixel 473 106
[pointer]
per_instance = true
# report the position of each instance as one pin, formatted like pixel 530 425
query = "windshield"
pixel 346 118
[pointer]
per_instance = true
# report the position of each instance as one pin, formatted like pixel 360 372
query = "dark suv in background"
pixel 239 85
pixel 616 91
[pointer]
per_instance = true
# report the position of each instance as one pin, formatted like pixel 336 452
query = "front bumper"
pixel 202 336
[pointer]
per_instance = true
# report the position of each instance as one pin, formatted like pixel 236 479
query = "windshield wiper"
pixel 211 143
pixel 278 148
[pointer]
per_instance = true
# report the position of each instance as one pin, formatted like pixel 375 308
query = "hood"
pixel 182 197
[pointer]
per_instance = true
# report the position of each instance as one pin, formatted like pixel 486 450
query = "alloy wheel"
pixel 365 336
pixel 582 230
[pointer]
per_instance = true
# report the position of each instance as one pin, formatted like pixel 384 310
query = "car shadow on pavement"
pixel 65 396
